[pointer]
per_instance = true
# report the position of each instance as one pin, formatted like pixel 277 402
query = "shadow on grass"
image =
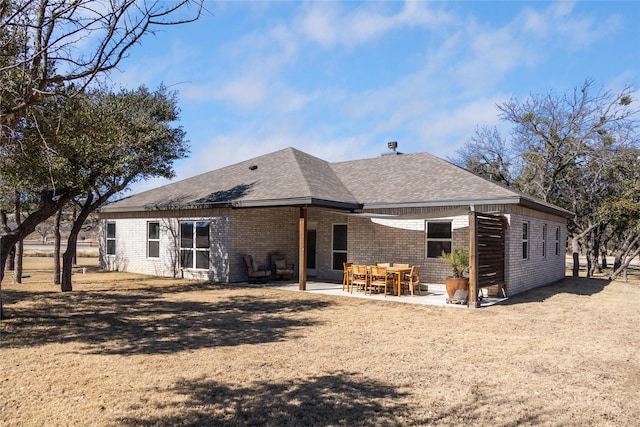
pixel 142 321
pixel 328 400
pixel 568 285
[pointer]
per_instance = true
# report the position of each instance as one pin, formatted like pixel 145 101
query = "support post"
pixel 473 262
pixel 302 251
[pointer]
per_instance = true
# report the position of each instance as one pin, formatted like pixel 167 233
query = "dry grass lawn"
pixel 129 350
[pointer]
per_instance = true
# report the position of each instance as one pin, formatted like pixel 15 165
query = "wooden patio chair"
pixel 411 280
pixel 346 278
pixel 255 273
pixel 380 280
pixel 400 265
pixel 359 278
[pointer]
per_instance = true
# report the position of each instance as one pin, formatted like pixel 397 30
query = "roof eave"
pixel 298 201
pixel 513 200
pixel 439 203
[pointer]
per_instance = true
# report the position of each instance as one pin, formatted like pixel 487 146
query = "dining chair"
pixel 379 279
pixel 411 280
pixel 383 264
pixel 400 265
pixel 359 277
pixel 346 279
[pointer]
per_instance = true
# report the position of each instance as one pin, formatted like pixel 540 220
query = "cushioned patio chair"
pixel 255 273
pixel 280 267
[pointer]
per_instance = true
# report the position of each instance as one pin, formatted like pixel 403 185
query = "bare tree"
pixel 52 49
pixel 487 154
pixel 571 145
pixel 55 42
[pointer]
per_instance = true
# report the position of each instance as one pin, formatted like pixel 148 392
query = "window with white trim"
pixel 339 246
pixel 153 239
pixel 525 240
pixel 557 240
pixel 194 244
pixel 111 238
pixel 544 240
pixel 439 238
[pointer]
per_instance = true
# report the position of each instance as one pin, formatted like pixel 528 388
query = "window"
pixel 557 240
pixel 339 246
pixel 111 238
pixel 544 240
pixel 194 244
pixel 525 240
pixel 153 240
pixel 438 238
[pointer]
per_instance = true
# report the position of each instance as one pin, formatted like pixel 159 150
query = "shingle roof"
pixel 285 177
pixel 290 177
pixel 414 178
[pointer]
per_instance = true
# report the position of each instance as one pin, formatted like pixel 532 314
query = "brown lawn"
pixel 129 350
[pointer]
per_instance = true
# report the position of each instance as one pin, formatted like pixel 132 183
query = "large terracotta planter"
pixel 453 284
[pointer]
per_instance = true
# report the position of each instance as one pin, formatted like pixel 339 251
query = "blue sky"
pixel 338 80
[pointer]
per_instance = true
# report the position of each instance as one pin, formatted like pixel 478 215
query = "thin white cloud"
pixel 560 24
pixel 330 23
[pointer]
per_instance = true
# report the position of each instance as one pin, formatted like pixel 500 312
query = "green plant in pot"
pixel 458 260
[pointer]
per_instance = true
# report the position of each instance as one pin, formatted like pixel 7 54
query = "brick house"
pixel 397 207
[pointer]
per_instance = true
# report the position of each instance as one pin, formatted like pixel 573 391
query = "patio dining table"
pixel 397 273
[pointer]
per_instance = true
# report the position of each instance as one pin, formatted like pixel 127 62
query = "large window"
pixel 153 240
pixel 439 234
pixel 194 244
pixel 525 240
pixel 339 246
pixel 111 238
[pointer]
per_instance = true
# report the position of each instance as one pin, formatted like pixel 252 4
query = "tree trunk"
pixel 11 261
pixel 56 249
pixel 17 271
pixel 623 267
pixel 68 257
pixel 575 247
pixel 7 242
pixel 19 247
pixel 48 206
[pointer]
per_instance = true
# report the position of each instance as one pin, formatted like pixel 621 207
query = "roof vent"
pixel 392 145
pixel 253 167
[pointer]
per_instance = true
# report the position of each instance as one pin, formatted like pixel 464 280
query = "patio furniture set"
pixel 280 269
pixel 381 278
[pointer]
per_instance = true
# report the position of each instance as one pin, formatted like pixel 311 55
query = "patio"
pixel 432 294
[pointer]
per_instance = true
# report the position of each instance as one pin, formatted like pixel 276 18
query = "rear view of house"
pixel 407 208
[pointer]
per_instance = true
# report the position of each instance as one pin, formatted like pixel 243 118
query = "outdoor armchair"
pixel 256 273
pixel 281 268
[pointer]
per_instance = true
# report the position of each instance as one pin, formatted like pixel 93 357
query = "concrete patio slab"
pixel 436 295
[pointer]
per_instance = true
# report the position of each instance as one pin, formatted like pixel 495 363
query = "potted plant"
pixel 458 260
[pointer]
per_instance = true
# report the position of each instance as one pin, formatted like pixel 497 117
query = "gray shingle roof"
pixel 290 177
pixel 285 177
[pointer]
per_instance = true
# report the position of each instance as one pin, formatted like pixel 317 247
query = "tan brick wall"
pixel 536 270
pixel 260 232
